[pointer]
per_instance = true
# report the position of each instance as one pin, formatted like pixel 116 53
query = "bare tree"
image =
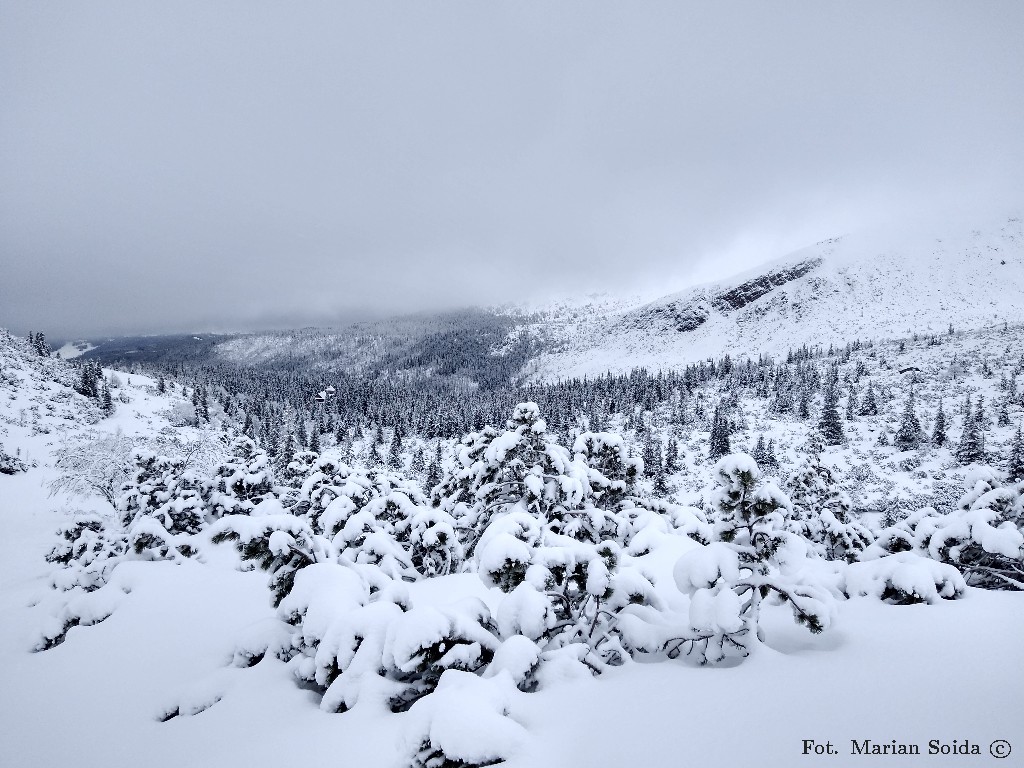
pixel 94 463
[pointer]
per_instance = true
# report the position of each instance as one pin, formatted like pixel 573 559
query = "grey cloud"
pixel 225 165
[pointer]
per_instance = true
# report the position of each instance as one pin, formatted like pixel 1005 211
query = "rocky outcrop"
pixel 741 295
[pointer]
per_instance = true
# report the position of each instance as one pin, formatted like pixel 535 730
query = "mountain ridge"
pixel 859 286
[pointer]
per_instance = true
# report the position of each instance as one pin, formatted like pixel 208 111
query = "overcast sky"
pixel 231 165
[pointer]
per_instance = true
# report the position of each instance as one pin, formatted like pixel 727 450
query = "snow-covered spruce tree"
pixel 909 435
pixel 829 425
pixel 821 511
pixel 241 481
pixel 803 408
pixel 980 415
pixel 752 558
pixel 718 444
pixel 771 461
pixel 394 458
pixel 651 455
pixel 286 451
pixel 939 430
pixel 433 471
pixel 1015 462
pixel 869 405
pixel 760 452
pixel 106 401
pixel 851 404
pixel 1004 413
pixel 660 486
pixel 971 448
pixel 672 456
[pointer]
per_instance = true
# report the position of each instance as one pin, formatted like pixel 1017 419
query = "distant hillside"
pixel 486 347
pixel 876 285
pixel 883 284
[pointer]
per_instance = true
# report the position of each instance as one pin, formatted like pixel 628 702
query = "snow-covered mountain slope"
pixel 883 284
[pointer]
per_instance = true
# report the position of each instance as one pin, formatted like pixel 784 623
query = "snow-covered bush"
pixel 347 516
pixel 903 579
pixel 241 481
pixel 90 545
pixel 465 723
pixel 379 517
pixel 821 512
pixel 298 469
pixel 547 527
pixel 753 557
pixel 281 544
pixel 985 540
pixel 358 636
pixel 162 508
pixel 983 537
pixel 10 465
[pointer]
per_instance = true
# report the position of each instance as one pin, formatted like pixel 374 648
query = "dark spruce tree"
pixel 909 435
pixel 719 443
pixel 759 453
pixel 106 401
pixel 651 455
pixel 395 450
pixel 830 426
pixel 869 405
pixel 803 410
pixel 433 471
pixel 939 430
pixel 672 456
pixel 1015 468
pixel 1004 414
pixel 971 448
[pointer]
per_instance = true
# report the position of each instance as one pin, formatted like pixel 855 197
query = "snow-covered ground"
pixel 72 349
pixel 947 671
